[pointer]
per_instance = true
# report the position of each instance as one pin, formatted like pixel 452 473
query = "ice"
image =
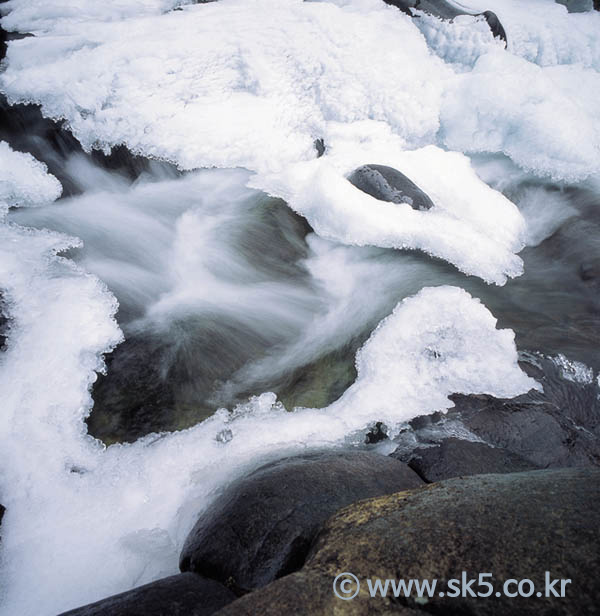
pixel 39 17
pixel 544 121
pixel 255 96
pixel 24 181
pixel 542 31
pixel 574 370
pixel 253 84
pixel 470 225
pixel 117 518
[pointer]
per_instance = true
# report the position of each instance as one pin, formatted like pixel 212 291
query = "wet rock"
pixel 305 593
pixel 320 147
pixel 4 323
pixel 388 184
pixel 447 10
pixel 2 510
pixel 27 130
pixel 515 526
pixel 185 594
pixel 262 526
pixel 455 457
pixel 557 427
pixel 577 6
pixel 376 434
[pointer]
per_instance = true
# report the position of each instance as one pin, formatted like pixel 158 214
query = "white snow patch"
pixel 470 225
pixel 25 181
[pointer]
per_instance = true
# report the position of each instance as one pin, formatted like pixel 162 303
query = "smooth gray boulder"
pixel 455 457
pixel 262 526
pixel 388 184
pixel 516 526
pixel 185 594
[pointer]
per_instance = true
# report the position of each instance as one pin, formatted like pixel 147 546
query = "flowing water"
pixel 170 325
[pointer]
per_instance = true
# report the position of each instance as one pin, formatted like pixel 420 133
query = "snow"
pixel 470 225
pixel 24 181
pixel 281 73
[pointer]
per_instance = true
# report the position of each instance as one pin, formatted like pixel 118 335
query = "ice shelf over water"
pixel 281 73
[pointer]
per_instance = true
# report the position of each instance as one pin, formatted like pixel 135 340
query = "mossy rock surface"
pixel 515 526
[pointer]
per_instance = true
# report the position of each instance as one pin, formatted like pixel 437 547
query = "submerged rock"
pixel 170 374
pixel 320 147
pixel 455 457
pixel 262 526
pixel 447 10
pixel 515 526
pixel 388 184
pixel 184 594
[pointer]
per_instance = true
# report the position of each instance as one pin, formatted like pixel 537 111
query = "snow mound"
pixel 470 225
pixel 545 121
pixel 256 96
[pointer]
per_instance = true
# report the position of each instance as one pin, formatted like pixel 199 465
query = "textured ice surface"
pixel 545 120
pixel 542 31
pixel 470 225
pixel 24 181
pixel 281 73
pixel 39 16
pixel 256 95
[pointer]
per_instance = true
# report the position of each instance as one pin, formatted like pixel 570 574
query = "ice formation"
pixel 378 87
pixel 470 225
pixel 24 181
pixel 236 101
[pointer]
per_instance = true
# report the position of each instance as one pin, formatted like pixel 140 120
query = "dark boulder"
pixel 262 526
pixel 557 427
pixel 515 526
pixel 455 457
pixel 185 594
pixel 388 184
pixel 320 147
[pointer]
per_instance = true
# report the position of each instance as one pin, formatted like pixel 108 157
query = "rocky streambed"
pixel 271 544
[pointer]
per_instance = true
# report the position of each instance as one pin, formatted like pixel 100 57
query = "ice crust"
pixel 24 181
pixel 359 74
pixel 470 225
pixel 282 73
